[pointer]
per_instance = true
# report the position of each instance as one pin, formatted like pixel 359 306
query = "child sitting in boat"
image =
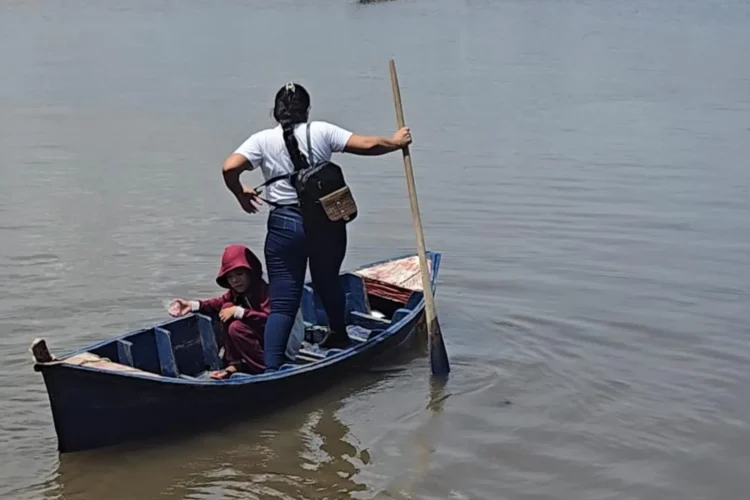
pixel 243 310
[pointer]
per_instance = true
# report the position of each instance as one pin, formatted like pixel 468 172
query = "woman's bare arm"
pixel 373 145
pixel 233 167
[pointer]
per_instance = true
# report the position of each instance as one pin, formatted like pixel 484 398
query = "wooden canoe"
pixel 153 381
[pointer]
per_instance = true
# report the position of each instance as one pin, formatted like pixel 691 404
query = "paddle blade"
pixel 438 355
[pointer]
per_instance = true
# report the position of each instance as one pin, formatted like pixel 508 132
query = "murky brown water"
pixel 583 167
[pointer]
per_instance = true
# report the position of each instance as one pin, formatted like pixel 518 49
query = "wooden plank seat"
pixel 93 361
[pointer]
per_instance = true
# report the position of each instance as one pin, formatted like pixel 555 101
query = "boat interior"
pixel 188 347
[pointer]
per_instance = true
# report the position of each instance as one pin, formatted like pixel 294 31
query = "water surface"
pixel 581 165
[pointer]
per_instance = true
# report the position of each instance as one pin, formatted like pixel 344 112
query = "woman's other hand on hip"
pixel 249 200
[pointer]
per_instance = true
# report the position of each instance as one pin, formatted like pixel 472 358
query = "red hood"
pixel 236 256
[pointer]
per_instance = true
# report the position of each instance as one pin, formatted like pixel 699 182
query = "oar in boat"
pixel 438 355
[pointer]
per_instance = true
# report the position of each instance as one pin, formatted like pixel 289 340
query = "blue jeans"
pixel 287 250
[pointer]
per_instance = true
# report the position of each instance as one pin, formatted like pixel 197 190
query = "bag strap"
pixel 309 147
pixel 274 179
pixel 260 187
pixel 290 174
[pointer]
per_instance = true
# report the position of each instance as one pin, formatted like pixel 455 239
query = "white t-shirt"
pixel 266 149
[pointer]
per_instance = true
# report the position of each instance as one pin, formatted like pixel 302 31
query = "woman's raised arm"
pixel 373 145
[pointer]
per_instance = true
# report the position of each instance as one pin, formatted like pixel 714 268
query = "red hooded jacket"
pixel 255 302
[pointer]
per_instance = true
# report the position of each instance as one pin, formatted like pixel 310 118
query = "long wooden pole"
pixel 438 355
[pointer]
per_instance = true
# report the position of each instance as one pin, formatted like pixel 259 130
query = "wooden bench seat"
pixel 94 361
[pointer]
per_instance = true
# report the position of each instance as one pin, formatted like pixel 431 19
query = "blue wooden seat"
pixel 124 352
pixel 208 342
pixel 167 362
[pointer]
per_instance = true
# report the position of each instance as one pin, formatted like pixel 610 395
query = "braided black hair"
pixel 291 107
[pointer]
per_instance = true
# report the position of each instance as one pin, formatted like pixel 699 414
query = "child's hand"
pixel 179 307
pixel 227 313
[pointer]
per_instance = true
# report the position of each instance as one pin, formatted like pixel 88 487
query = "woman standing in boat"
pixel 290 241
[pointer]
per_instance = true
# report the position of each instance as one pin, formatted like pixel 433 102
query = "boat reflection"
pixel 304 452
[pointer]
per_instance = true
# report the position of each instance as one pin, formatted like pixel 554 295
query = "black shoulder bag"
pixel 321 189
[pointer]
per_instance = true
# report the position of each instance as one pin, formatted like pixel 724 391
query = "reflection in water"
pixel 305 452
pixel 424 436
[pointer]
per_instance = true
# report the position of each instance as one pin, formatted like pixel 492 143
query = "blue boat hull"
pixel 93 408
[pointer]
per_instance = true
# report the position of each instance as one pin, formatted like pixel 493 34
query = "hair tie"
pixel 289 87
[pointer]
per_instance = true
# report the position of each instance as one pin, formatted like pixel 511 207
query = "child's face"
pixel 239 279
